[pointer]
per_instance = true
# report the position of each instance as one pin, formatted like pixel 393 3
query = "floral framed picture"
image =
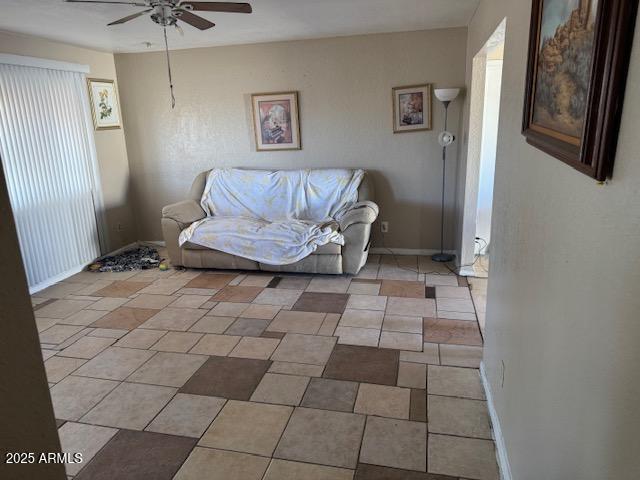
pixel 105 107
pixel 411 108
pixel 276 121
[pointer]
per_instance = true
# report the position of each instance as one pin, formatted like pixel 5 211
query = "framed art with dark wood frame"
pixel 576 74
pixel 276 121
pixel 411 108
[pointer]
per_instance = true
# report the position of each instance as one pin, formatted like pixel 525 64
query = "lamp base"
pixel 442 257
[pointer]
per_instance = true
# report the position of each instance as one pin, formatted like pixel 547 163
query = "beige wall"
pixel 345 109
pixel 563 309
pixel 110 144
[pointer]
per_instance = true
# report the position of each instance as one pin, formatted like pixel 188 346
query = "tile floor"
pixel 191 374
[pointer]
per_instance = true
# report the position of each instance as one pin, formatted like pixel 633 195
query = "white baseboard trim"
pixel 466 271
pixel 501 448
pixel 407 251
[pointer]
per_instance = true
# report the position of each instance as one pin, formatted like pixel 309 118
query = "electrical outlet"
pixel 384 227
pixel 119 227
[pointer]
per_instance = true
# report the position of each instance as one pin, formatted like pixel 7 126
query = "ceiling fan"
pixel 167 13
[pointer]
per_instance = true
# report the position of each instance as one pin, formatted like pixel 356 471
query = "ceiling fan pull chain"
pixel 166 46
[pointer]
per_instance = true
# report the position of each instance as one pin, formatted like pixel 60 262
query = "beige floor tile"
pixel 228 309
pixel 167 286
pixel 250 347
pixel 129 405
pixel 443 280
pixel 458 416
pixel 311 349
pixel 212 324
pixel 454 382
pixel 190 301
pixel 460 355
pixel 62 308
pixel 361 318
pixel 60 290
pixel 463 305
pixel 470 317
pixel 212 344
pixel 412 375
pixel 44 323
pixel 84 439
pixel 115 363
pixel 329 284
pixel 187 415
pixel 151 301
pixel 367 302
pixel 73 338
pixel 208 292
pixel 296 369
pixel 114 333
pixel 47 354
pixel 107 304
pixel 256 281
pixel 278 296
pixel 121 288
pixel 429 354
pixel 322 437
pixel 178 342
pixel 462 457
pixel 180 319
pixel 84 317
pixel 247 427
pixel 261 312
pixel 280 389
pixel 395 443
pixel 221 465
pixel 329 324
pixel 402 323
pixel 90 289
pixel 59 367
pixel 168 369
pixel 140 338
pixel 367 337
pixel 392 272
pixel 296 322
pixel 286 470
pixel 368 272
pixel 59 333
pixel 75 396
pixel 401 341
pixel 443 291
pixel 383 401
pixel 362 288
pixel 87 347
pixel 412 307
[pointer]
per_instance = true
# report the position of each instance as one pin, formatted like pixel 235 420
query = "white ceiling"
pixel 271 20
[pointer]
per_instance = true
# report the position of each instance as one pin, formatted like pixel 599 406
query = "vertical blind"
pixel 48 155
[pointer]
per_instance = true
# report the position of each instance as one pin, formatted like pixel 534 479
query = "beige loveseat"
pixel 330 258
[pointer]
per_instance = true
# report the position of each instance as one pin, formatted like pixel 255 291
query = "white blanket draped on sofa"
pixel 273 217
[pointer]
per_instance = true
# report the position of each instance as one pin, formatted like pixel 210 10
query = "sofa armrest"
pixel 184 213
pixel 361 212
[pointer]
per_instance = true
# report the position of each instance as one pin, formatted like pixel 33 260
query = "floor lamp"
pixel 445 138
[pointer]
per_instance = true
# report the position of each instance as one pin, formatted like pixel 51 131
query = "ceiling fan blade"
pixel 130 17
pixel 230 7
pixel 194 20
pixel 137 4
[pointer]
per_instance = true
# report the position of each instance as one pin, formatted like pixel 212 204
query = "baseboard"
pixel 501 448
pixel 155 243
pixel 407 251
pixel 119 250
pixel 466 271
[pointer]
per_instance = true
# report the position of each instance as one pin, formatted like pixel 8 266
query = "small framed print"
pixel 412 108
pixel 276 121
pixel 105 108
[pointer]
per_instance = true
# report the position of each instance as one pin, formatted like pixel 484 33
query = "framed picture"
pixel 411 108
pixel 105 108
pixel 576 74
pixel 276 121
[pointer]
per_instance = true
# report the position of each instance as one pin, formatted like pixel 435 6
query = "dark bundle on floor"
pixel 139 258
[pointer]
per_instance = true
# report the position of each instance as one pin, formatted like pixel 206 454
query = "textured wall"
pixel 110 144
pixel 563 300
pixel 345 109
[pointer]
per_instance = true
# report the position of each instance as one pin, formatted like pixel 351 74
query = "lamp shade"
pixel 446 94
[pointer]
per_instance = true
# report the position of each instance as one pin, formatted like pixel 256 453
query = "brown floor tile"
pixel 402 288
pixel 237 294
pixel 274 282
pixel 206 280
pixel 328 394
pixel 418 406
pixel 457 332
pixel 395 443
pixel 125 317
pixel 430 292
pixel 132 455
pixel 321 302
pixel 121 289
pixel 383 401
pixel 374 472
pixel 247 327
pixel 278 335
pixel 463 282
pixel 212 464
pixel 463 457
pixel 363 364
pixel 234 378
